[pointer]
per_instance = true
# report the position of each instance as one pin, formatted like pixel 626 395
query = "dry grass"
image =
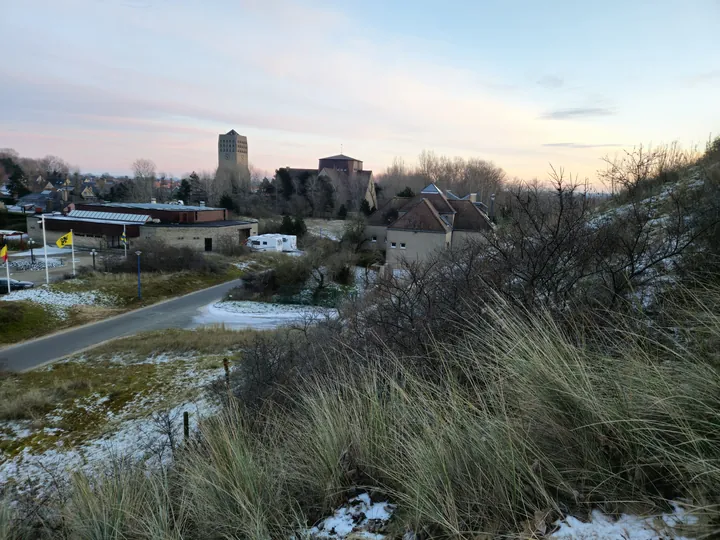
pixel 18 402
pixel 155 286
pixel 212 340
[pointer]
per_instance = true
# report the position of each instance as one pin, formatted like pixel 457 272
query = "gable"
pixel 431 188
pixel 438 200
pixel 421 217
pixel 468 217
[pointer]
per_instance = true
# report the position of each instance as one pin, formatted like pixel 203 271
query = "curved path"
pixel 174 313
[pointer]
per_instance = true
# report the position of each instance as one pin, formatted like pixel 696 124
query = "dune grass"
pixel 524 421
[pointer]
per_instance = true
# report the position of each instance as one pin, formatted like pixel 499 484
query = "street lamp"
pixel 93 254
pixel 32 255
pixel 139 289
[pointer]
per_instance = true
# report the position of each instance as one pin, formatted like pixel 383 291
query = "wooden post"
pixel 186 425
pixel 226 365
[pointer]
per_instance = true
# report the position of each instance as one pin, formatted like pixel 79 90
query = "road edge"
pixel 88 325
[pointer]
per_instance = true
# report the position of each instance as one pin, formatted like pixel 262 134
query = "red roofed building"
pixel 415 228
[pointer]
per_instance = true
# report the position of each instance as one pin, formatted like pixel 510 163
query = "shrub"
pixel 160 257
pixel 407 192
pixel 342 212
pixel 230 246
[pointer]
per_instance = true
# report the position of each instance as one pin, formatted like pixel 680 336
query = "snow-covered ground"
pixel 626 527
pixel 331 229
pixel 140 432
pixel 23 264
pixel 363 518
pixel 257 315
pixel 60 302
pixel 360 517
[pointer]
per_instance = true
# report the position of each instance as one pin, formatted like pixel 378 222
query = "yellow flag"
pixel 3 254
pixel 65 240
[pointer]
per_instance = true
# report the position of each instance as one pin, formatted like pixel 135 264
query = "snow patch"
pixel 627 527
pixel 257 315
pixel 360 517
pixel 60 302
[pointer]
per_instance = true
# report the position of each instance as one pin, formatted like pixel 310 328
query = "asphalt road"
pixel 176 313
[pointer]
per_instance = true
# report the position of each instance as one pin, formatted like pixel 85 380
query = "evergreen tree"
pixel 226 202
pixel 286 184
pixel 15 177
pixel 300 227
pixel 342 212
pixel 120 192
pixel 197 190
pixel 184 191
pixel 365 207
pixel 407 192
pixel 287 226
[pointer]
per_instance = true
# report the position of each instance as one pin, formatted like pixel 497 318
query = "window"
pixel 256 242
pixel 264 243
pixel 374 239
pixel 393 245
pixel 402 245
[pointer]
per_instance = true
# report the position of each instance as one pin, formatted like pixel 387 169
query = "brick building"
pixel 101 225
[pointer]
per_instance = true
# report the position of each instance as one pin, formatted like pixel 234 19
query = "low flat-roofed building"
pixel 102 225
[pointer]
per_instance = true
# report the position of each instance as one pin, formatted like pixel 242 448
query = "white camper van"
pixel 273 242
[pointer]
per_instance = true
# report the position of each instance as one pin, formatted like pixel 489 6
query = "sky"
pixel 525 84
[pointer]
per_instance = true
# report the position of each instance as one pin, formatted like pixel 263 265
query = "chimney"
pixel 202 203
pixel 492 208
pixel 153 200
pixel 473 198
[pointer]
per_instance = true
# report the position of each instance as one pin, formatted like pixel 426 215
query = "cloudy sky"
pixel 523 83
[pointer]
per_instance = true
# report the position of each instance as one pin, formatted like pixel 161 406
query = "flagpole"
pixel 7 268
pixel 72 249
pixel 125 242
pixel 47 273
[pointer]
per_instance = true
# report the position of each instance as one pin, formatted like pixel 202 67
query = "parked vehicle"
pixel 273 242
pixel 15 285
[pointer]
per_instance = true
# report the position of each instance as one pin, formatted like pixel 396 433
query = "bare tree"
pixel 457 174
pixel 144 179
pixel 633 170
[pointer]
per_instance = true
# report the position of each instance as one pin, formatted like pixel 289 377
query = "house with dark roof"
pixel 413 228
